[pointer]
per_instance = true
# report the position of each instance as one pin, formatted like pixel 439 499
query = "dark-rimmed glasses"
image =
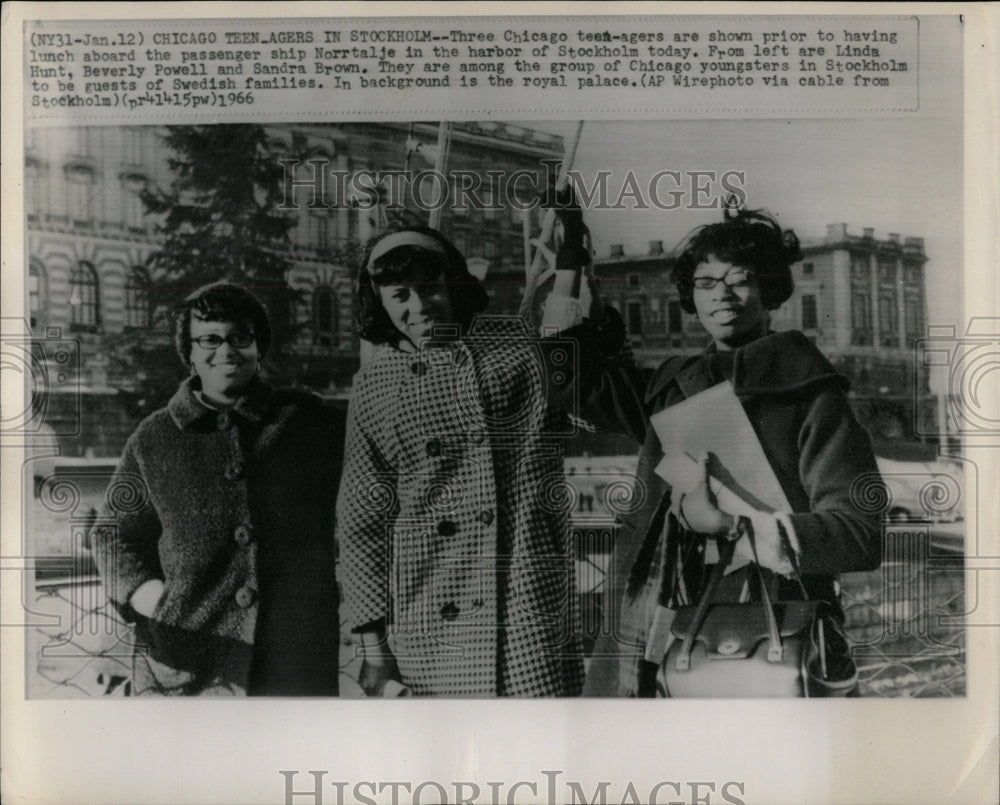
pixel 733 279
pixel 235 340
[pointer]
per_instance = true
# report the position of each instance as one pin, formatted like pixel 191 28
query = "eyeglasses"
pixel 734 279
pixel 236 340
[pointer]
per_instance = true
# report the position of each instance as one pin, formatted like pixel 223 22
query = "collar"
pixel 186 409
pixel 778 363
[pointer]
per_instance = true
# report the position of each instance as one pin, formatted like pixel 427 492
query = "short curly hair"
pixel 751 239
pixel 413 263
pixel 221 301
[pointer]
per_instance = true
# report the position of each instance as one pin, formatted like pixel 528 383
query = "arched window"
pixel 325 317
pixel 37 292
pixel 84 298
pixel 138 313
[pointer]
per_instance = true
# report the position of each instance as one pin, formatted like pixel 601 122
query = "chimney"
pixel 894 237
pixel 868 233
pixel 655 248
pixel 836 233
pixel 617 250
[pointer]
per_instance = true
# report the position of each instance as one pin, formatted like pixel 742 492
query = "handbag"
pixel 755 650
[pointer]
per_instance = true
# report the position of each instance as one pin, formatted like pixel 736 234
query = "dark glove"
pixel 576 236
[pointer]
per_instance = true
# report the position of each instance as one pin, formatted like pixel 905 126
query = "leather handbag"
pixel 755 650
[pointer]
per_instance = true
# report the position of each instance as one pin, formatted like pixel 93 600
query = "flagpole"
pixel 444 135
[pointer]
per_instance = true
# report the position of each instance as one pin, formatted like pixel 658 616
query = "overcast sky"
pixel 897 172
pixel 893 175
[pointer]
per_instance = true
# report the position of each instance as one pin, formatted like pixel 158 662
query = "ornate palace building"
pixel 89 241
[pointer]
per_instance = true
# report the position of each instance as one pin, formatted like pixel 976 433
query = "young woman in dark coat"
pixel 731 274
pixel 222 547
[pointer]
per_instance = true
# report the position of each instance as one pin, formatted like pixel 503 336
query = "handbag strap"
pixel 775 650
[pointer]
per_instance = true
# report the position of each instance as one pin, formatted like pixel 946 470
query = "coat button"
pixel 449 611
pixel 233 472
pixel 419 368
pixel 243 534
pixel 246 596
pixel 223 421
pixel 486 516
pixel 447 528
pixel 434 447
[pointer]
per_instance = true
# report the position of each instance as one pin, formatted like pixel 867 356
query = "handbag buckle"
pixel 727 647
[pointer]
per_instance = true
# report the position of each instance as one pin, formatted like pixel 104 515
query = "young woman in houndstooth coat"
pixel 452 519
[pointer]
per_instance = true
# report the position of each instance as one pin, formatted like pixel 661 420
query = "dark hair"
pixel 221 301
pixel 751 239
pixel 412 263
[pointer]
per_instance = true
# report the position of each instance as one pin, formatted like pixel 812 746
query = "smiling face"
pixel 733 314
pixel 224 370
pixel 415 308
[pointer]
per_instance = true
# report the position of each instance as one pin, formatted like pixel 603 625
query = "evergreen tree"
pixel 219 219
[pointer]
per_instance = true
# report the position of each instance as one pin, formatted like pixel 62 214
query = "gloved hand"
pixel 699 508
pixel 575 235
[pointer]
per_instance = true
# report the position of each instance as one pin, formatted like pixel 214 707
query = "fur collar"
pixel 778 363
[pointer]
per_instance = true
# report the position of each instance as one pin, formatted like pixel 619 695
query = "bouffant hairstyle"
pixel 414 254
pixel 751 239
pixel 221 301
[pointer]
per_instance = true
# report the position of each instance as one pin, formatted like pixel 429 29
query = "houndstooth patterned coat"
pixel 452 518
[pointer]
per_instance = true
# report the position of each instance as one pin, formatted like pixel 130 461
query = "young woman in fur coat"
pixel 221 550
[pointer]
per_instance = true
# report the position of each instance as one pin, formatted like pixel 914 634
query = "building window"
pixel 34 177
pixel 325 317
pixel 133 147
pixel 138 311
pixel 321 227
pixel 633 280
pixel 675 324
pixel 84 299
pixel 861 320
pixel 80 192
pixel 809 317
pixel 807 268
pixel 888 329
pixel 913 314
pixel 635 318
pixel 490 247
pixel 36 292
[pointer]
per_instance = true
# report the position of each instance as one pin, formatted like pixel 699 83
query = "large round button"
pixel 243 534
pixel 233 472
pixel 447 528
pixel 223 421
pixel 419 368
pixel 449 611
pixel 434 447
pixel 246 596
pixel 486 516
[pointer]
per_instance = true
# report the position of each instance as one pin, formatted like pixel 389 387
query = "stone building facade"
pixel 89 241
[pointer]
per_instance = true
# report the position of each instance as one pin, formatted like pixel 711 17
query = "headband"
pixel 397 239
